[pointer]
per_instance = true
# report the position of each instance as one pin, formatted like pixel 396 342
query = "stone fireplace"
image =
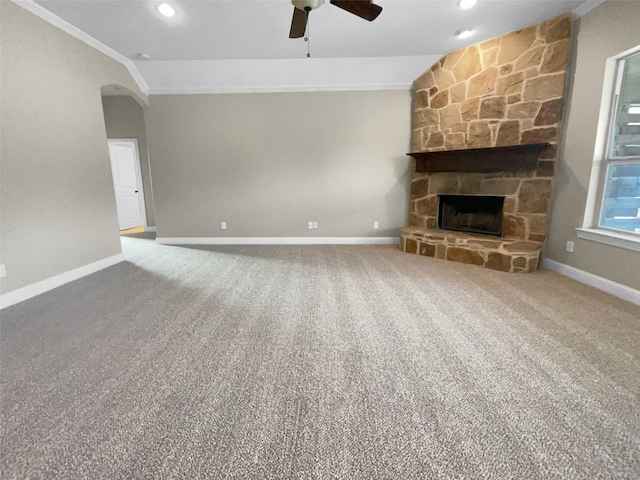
pixel 486 122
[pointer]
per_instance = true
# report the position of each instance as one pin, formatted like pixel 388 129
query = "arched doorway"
pixel 127 142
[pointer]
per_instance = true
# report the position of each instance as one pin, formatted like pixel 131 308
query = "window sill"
pixel 609 237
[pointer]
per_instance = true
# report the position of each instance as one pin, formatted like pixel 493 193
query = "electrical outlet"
pixel 310 225
pixel 3 271
pixel 315 224
pixel 570 247
pixel 375 225
pixel 223 225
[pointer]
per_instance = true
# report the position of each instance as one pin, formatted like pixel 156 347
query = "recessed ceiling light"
pixel 466 4
pixel 464 33
pixel 166 10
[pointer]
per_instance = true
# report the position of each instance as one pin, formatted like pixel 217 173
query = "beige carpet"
pixel 318 362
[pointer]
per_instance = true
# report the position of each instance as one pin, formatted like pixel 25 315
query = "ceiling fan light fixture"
pixel 307 5
pixel 166 10
pixel 364 9
pixel 467 4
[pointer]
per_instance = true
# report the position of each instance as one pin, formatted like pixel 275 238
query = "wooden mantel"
pixel 493 159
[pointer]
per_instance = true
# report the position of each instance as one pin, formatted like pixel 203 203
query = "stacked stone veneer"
pixel 503 91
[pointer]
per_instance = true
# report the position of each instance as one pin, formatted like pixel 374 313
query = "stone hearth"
pixel 489 252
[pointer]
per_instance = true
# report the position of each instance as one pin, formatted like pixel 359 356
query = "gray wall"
pixel 608 30
pixel 269 163
pixel 124 118
pixel 56 196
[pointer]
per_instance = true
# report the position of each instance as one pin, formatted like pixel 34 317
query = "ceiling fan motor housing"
pixel 307 5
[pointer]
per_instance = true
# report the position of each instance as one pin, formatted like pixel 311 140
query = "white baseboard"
pixel 278 240
pixel 25 293
pixel 150 229
pixel 617 289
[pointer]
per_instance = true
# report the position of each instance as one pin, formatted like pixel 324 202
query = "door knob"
pixel 136 191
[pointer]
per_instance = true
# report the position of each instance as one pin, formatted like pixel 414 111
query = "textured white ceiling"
pixel 216 31
pixel 258 29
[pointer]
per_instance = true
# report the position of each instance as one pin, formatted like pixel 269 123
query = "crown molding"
pixel 276 89
pixel 75 32
pixel 283 75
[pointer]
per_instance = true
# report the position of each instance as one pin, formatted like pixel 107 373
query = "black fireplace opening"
pixel 471 213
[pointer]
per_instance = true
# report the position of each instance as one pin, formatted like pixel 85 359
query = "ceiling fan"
pixel 361 8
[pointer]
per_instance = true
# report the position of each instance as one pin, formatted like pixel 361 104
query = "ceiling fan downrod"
pixel 308 38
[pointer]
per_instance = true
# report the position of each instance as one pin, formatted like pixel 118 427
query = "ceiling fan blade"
pixel 298 23
pixel 362 8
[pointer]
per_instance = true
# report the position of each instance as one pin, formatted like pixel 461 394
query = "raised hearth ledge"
pixel 502 254
pixel 493 159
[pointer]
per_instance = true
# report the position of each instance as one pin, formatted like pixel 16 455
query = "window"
pixel 620 188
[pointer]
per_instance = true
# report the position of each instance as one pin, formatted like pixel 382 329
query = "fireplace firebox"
pixel 471 213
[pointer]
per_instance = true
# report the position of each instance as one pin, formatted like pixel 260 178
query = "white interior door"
pixel 127 185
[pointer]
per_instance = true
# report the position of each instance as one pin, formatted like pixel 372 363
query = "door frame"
pixel 138 170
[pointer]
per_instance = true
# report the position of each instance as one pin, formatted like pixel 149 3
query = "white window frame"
pixel 591 229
